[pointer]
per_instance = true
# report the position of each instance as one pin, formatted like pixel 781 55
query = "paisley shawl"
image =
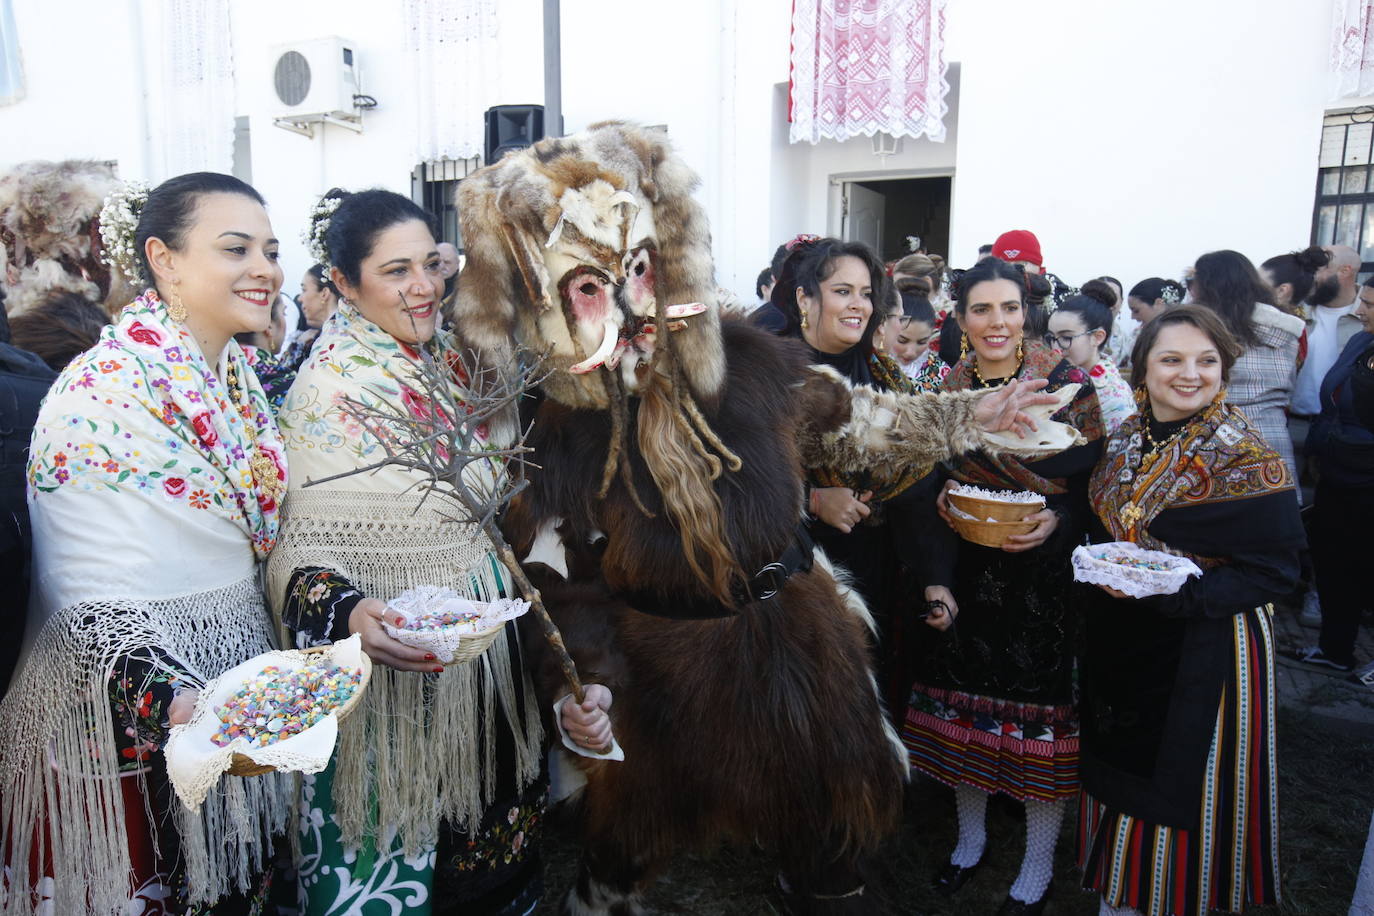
pixel 1218 457
pixel 1082 413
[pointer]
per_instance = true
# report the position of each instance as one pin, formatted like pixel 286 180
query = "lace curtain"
pixel 198 79
pixel 1352 49
pixel 457 72
pixel 861 67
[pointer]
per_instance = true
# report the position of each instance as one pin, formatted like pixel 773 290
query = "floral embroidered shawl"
pixel 143 413
pixel 1008 471
pixel 1219 457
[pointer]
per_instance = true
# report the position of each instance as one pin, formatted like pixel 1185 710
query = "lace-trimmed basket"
pixel 457 643
pixel 989 517
pixel 1132 569
pixel 195 762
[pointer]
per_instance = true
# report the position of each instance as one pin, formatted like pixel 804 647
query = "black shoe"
pixel 1013 907
pixel 951 877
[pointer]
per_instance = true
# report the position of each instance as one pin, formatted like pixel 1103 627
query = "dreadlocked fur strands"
pixel 677 461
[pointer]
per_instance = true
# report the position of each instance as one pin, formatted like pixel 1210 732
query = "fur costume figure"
pixel 665 510
pixel 50 230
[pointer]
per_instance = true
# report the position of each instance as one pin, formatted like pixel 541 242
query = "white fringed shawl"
pixel 417 750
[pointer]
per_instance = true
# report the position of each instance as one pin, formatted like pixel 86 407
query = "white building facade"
pixel 1131 136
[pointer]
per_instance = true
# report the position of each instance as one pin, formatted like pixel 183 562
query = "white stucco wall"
pixel 1130 136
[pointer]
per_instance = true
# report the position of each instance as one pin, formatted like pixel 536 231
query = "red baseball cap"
pixel 1018 245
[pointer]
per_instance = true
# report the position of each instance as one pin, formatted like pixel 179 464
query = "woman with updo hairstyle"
pixel 436 796
pixel 1261 382
pixel 992 707
pixel 827 291
pixel 1078 329
pixel 155 475
pixel 1152 296
pixel 1178 814
pixel 1292 276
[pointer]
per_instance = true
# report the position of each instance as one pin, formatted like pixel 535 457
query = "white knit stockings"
pixel 1106 909
pixel 1042 833
pixel 972 805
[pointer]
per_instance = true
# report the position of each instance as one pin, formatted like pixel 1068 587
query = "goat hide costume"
pixel 669 446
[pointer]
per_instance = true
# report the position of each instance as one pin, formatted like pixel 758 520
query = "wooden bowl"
pixel 984 509
pixel 989 534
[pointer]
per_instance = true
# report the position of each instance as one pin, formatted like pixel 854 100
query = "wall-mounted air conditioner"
pixel 316 82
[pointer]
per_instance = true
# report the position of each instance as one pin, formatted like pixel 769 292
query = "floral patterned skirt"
pixel 496 870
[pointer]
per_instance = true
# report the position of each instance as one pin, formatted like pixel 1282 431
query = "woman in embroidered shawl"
pixel 826 291
pixel 154 475
pixel 436 800
pixel 1178 813
pixel 992 710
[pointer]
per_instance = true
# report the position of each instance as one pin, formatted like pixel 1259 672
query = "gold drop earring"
pixel 963 346
pixel 804 323
pixel 176 309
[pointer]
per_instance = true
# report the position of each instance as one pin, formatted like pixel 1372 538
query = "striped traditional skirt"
pixel 1026 751
pixel 1232 859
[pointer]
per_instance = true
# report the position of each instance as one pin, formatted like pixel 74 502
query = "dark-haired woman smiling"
pixel 993 708
pixel 155 472
pixel 436 800
pixel 1178 815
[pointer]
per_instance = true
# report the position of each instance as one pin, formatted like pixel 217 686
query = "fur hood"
pixel 50 230
pixel 589 204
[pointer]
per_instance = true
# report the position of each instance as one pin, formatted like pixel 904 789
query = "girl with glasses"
pixel 1078 329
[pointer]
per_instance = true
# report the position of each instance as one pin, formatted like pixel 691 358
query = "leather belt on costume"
pixel 761 586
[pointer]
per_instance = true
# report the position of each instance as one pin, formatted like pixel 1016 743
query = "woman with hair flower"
pixel 154 476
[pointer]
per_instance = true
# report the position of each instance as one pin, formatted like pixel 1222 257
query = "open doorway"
pixel 883 213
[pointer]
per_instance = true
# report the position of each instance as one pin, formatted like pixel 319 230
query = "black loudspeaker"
pixel 511 127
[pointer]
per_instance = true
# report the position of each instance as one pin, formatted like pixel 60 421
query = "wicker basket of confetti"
pixel 1131 569
pixel 989 517
pixel 454 628
pixel 278 711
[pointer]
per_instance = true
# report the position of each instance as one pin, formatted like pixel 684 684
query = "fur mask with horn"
pixel 589 249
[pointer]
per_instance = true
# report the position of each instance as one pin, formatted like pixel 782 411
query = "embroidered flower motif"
pixel 60 459
pixel 199 499
pixel 1098 371
pixel 109 365
pixel 205 428
pixel 172 354
pixel 86 380
pixel 315 594
pixel 62 475
pixel 174 487
pixel 111 466
pixel 141 333
pixel 1077 375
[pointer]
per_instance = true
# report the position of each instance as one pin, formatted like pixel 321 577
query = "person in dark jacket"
pixel 24 379
pixel 1341 442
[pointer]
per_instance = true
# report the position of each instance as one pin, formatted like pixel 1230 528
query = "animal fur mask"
pixel 587 248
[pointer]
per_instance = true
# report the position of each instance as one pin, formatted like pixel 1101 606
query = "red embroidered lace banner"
pixel 860 67
pixel 1352 49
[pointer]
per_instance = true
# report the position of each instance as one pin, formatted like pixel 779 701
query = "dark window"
pixel 433 186
pixel 1344 214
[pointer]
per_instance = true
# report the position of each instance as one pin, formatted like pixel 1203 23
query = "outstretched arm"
pixel 858 429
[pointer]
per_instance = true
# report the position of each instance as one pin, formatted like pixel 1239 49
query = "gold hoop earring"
pixel 176 309
pixel 963 346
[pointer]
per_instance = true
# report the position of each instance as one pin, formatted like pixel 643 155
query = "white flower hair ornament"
pixel 119 227
pixel 1170 296
pixel 315 230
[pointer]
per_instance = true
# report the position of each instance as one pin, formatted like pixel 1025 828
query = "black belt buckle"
pixel 768 581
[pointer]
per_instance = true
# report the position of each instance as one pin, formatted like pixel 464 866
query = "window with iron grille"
pixel 433 186
pixel 1344 212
